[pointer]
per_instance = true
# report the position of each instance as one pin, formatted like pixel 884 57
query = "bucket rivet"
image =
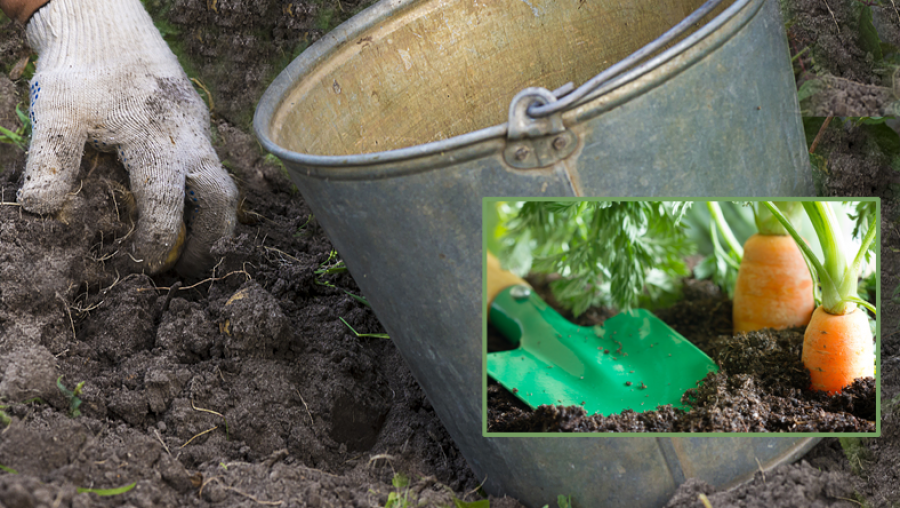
pixel 559 143
pixel 520 292
pixel 521 153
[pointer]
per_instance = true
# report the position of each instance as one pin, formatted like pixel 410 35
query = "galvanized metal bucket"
pixel 396 124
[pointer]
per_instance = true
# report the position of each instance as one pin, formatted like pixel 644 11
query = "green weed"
pixel 8 469
pixel 302 232
pixel 481 503
pixel 373 335
pixel 638 263
pixel 21 137
pixel 327 269
pixel 107 492
pixel 399 498
pixel 71 396
pixel 562 501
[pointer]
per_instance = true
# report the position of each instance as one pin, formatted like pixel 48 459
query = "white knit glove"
pixel 105 76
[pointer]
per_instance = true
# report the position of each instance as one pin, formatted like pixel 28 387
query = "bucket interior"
pixel 442 68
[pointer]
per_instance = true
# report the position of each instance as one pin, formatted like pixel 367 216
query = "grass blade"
pixel 107 492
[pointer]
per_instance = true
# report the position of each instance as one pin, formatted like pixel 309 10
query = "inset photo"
pixel 639 316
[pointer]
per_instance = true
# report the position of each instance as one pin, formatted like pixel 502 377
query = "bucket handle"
pixel 535 131
pixel 537 142
pixel 570 100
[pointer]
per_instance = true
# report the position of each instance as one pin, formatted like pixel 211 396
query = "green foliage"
pixel 608 253
pixel 720 266
pixel 5 420
pixel 868 36
pixel 734 223
pixel 107 492
pixel 373 335
pixel 21 137
pixel 836 274
pixel 302 230
pixel 562 501
pixel 400 497
pixel 71 396
pixel 868 287
pixel 863 213
pixel 481 503
pixel 8 469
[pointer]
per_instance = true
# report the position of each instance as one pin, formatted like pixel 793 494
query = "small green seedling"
pixel 327 269
pixel 302 231
pixel 373 335
pixel 398 499
pixel 8 469
pixel 481 503
pixel 71 396
pixel 21 137
pixel 107 492
pixel 562 501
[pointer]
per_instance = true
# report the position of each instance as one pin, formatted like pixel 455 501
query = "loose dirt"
pixel 846 55
pixel 243 386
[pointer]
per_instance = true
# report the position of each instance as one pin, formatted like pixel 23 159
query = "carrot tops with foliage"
pixel 837 273
pixel 608 253
pixel 837 346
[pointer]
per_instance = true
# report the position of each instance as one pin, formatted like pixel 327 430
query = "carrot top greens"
pixel 608 253
pixel 625 254
pixel 836 274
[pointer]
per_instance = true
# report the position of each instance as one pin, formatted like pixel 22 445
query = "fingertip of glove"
pixel 171 258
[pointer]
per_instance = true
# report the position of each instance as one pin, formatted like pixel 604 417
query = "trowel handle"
pixel 499 279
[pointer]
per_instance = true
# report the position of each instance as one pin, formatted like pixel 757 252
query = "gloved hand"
pixel 104 75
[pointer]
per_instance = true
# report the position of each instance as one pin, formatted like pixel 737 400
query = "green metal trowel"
pixel 634 361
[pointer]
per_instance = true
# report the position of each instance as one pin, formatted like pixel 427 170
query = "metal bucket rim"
pixel 275 94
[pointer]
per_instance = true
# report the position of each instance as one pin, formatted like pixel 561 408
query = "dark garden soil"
pixel 246 389
pixel 243 387
pixel 761 386
pixel 847 54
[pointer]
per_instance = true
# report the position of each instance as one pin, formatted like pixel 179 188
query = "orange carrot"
pixel 837 345
pixel 840 348
pixel 774 288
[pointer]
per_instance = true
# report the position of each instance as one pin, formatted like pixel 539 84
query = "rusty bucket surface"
pixel 397 123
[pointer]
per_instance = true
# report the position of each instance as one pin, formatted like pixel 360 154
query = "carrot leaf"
pixel 839 279
pixel 614 253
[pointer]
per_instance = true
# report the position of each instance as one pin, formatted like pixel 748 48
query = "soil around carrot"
pixel 761 386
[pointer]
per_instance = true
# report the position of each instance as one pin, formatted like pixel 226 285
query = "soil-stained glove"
pixel 105 76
